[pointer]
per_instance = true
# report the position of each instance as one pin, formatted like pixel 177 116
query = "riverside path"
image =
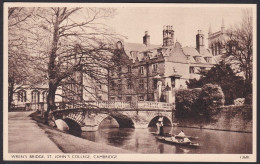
pixel 25 136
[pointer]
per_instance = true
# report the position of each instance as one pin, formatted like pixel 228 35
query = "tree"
pixel 19 66
pixel 223 75
pixel 239 48
pixel 210 98
pixel 68 40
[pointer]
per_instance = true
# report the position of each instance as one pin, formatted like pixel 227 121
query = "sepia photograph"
pixel 129 82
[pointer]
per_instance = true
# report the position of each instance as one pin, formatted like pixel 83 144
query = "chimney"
pixel 199 41
pixel 223 26
pixel 168 36
pixel 146 39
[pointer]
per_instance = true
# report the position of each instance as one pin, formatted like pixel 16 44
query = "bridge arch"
pixel 123 120
pixel 74 126
pixel 166 120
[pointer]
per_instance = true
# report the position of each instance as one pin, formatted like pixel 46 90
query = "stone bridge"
pixel 128 115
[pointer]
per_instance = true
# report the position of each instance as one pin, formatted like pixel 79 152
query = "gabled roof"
pixel 176 54
pixel 139 47
pixel 190 51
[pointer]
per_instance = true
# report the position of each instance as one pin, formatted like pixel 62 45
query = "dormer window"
pixel 207 59
pixel 197 58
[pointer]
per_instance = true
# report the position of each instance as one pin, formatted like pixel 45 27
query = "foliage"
pixel 210 98
pixel 72 40
pixel 222 75
pixel 248 99
pixel 185 102
pixel 199 102
pixel 21 66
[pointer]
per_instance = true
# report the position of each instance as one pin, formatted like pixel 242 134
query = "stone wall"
pixel 230 118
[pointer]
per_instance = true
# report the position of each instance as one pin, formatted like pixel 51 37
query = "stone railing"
pixel 154 105
pixel 111 105
pixel 147 105
pixel 133 105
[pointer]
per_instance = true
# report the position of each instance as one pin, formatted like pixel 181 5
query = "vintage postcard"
pixel 129 82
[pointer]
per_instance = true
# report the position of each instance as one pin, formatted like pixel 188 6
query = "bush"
pixel 248 99
pixel 210 98
pixel 185 101
pixel 202 102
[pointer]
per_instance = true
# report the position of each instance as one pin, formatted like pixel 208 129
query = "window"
pixel 99 86
pixel 155 83
pixel 129 98
pixel 192 70
pixel 141 84
pixel 197 58
pixel 207 59
pixel 99 97
pixel 119 98
pixel 112 98
pixel 141 98
pixel 129 84
pixel 22 96
pixel 119 85
pixel 173 82
pixel 35 96
pixel 154 67
pixel 129 68
pixel 112 85
pixel 141 70
pixel 202 68
pixel 44 96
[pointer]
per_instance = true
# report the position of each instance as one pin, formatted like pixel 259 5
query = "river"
pixel 142 141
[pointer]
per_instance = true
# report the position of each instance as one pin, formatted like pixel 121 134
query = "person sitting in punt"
pixel 181 134
pixel 186 140
pixel 174 139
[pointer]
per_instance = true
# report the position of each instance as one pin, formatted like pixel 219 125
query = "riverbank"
pixel 68 143
pixel 230 118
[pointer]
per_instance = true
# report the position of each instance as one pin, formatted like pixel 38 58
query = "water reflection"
pixel 142 141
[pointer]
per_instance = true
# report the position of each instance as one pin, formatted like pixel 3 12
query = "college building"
pixel 146 72
pixel 155 72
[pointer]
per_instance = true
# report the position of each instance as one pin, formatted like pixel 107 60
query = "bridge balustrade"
pixel 154 105
pixel 111 105
pixel 149 105
pixel 131 105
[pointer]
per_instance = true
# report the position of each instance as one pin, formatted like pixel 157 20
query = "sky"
pixel 186 21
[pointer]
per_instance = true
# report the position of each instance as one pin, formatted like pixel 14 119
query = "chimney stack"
pixel 146 39
pixel 200 41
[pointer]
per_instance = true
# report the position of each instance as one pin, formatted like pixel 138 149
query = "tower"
pixel 146 38
pixel 168 35
pixel 199 41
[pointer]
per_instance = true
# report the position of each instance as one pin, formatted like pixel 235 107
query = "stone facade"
pixel 34 95
pixel 154 72
pixel 216 40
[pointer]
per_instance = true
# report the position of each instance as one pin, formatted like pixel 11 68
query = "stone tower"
pixel 146 39
pixel 168 35
pixel 199 41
